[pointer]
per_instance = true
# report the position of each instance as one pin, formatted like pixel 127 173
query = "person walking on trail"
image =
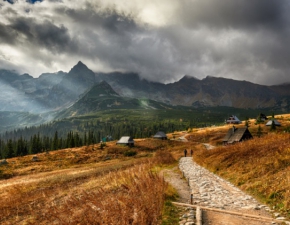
pixel 191 152
pixel 185 152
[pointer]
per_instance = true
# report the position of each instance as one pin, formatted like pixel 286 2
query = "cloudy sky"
pixel 162 40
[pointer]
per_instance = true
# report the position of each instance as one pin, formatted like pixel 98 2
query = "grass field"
pixel 87 185
pixel 90 185
pixel 260 166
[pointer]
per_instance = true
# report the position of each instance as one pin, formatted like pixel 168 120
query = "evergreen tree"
pixel 273 126
pixel 85 138
pixel 55 144
pixel 20 148
pixel 9 153
pixel 259 132
pixel 61 144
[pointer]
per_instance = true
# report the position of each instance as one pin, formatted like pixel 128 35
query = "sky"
pixel 161 40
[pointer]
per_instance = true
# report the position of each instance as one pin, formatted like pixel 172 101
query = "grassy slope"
pixel 60 183
pixel 70 184
pixel 260 166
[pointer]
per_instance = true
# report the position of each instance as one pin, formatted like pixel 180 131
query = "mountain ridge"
pixel 101 96
pixel 57 91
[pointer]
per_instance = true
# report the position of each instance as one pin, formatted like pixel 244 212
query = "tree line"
pixel 19 143
pixel 37 143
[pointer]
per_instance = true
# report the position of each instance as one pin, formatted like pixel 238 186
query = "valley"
pixel 61 165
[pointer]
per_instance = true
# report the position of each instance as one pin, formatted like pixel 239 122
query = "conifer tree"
pixel 55 144
pixel 259 132
pixel 9 149
pixel 273 126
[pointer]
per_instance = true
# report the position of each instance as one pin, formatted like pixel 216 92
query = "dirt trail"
pixel 174 177
pixel 211 191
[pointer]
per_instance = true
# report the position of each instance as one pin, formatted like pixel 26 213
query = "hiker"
pixel 185 152
pixel 191 152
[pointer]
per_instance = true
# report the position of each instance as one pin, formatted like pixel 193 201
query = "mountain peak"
pixel 80 63
pixel 102 88
pixel 81 71
pixel 187 77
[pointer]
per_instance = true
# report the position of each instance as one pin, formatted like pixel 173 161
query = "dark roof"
pixel 233 119
pixel 160 134
pixel 237 134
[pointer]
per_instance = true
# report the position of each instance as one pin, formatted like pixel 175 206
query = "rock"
pixel 211 190
pixel 182 222
pixel 280 218
pixel 189 223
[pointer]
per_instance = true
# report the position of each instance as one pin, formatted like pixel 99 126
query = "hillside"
pixel 208 92
pixel 60 182
pixel 57 91
pixel 68 94
pixel 83 177
pixel 102 97
pixel 260 166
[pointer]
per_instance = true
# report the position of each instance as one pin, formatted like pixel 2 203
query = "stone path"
pixel 210 190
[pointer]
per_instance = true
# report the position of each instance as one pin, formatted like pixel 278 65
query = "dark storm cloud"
pixel 245 40
pixel 121 43
pixel 239 38
pixel 109 34
pixel 42 34
pixel 224 14
pixel 109 20
pixel 162 53
pixel 29 1
pixel 7 35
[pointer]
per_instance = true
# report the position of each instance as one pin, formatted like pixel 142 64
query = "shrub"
pixel 164 157
pixel 130 153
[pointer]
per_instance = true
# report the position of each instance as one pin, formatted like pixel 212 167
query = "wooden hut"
pixel 236 135
pixel 34 158
pixel 126 140
pixel 233 120
pixel 3 162
pixel 160 135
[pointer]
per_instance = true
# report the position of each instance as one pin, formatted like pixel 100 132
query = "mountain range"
pixel 58 91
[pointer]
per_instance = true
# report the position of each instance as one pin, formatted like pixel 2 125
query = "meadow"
pixel 260 166
pixel 88 185
pixel 94 185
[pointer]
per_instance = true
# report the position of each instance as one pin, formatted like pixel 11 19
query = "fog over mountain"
pixel 242 40
pixel 58 91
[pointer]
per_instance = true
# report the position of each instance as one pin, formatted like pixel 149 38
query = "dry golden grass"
pixel 90 185
pixel 132 196
pixel 260 166
pixel 87 185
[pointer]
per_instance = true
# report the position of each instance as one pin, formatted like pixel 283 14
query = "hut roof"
pixel 125 140
pixel 233 119
pixel 237 134
pixel 269 123
pixel 160 134
pixel 3 162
